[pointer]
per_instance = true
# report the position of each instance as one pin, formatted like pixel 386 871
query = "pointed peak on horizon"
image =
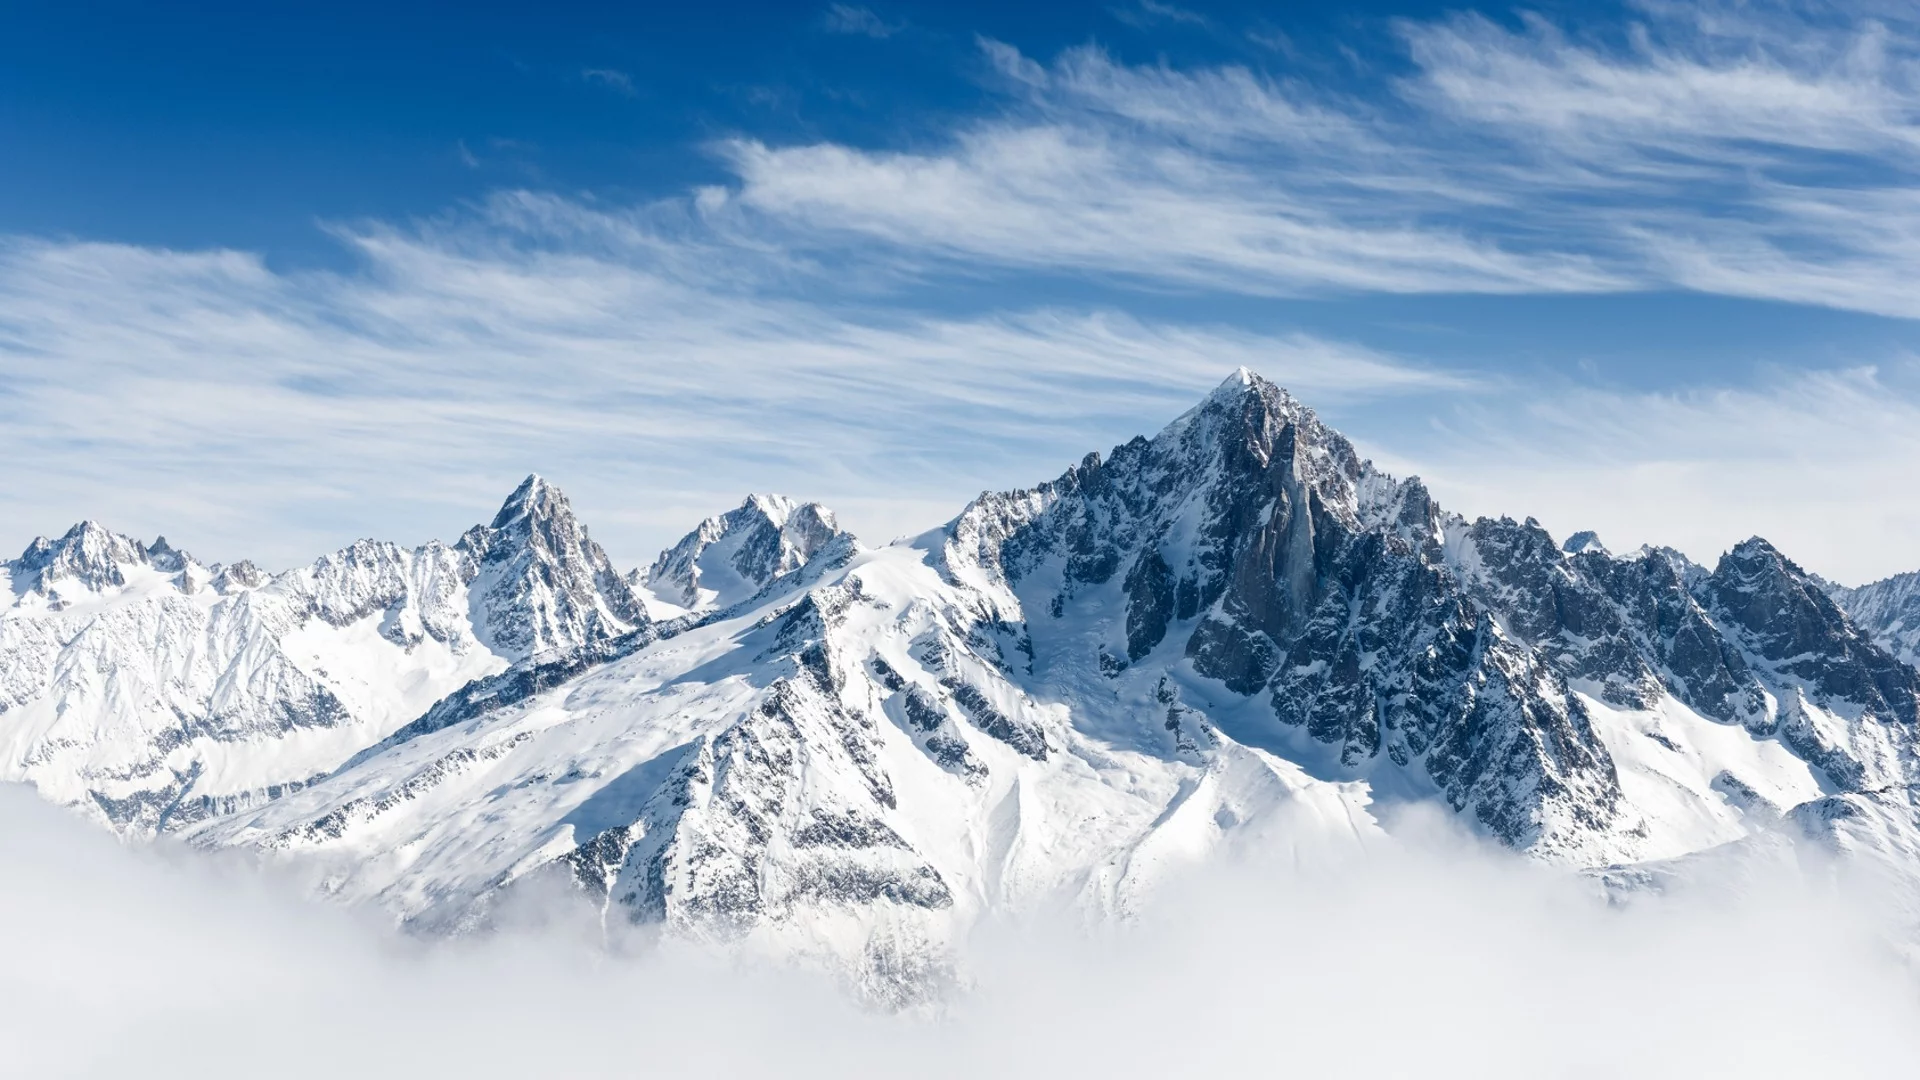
pixel 79 537
pixel 89 552
pixel 769 503
pixel 1242 382
pixel 535 496
pixel 1584 540
pixel 1242 378
pixel 1245 384
pixel 1756 555
pixel 534 484
pixel 1755 544
pixel 729 556
pixel 781 510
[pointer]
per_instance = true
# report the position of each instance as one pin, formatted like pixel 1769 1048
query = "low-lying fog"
pixel 1435 958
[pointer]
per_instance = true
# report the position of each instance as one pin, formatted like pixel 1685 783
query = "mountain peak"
pixel 89 553
pixel 1584 540
pixel 729 557
pixel 543 583
pixel 1755 547
pixel 535 498
pixel 1756 559
pixel 775 508
pixel 1243 389
pixel 1243 383
pixel 1242 378
pixel 164 556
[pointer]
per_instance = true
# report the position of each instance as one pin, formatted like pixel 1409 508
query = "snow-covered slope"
pixel 731 556
pixel 849 767
pixel 1235 633
pixel 156 691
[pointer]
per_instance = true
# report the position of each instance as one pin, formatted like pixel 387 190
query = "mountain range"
pixel 1237 634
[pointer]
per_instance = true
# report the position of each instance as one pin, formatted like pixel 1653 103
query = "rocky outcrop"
pixel 541 584
pixel 1889 610
pixel 731 556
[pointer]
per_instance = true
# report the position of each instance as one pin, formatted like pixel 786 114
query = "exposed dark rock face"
pixel 1755 642
pixel 1284 566
pixel 1790 625
pixel 1150 603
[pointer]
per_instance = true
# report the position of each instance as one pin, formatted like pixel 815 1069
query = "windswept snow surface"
pixel 1235 636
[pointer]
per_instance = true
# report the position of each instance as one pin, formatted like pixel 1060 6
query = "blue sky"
pixel 272 281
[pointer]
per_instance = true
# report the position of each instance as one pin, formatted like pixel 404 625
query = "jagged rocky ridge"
pixel 160 692
pixel 1237 632
pixel 729 557
pixel 1889 610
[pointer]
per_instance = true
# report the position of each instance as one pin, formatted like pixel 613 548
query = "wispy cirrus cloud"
pixel 1745 150
pixel 1743 89
pixel 610 78
pixel 655 374
pixel 1218 179
pixel 1047 197
pixel 1149 13
pixel 1749 151
pixel 775 331
pixel 858 21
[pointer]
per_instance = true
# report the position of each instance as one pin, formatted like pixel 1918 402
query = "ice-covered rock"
pixel 1889 610
pixel 731 556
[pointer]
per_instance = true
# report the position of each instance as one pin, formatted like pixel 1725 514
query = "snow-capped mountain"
pixel 540 584
pixel 157 691
pixel 1237 632
pixel 731 556
pixel 1889 610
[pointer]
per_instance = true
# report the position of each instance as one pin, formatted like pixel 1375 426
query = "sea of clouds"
pixel 1432 958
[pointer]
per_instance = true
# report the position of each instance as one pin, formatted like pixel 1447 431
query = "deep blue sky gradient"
pixel 238 124
pixel 252 126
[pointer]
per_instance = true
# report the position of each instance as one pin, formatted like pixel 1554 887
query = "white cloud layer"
pixel 1452 963
pixel 248 413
